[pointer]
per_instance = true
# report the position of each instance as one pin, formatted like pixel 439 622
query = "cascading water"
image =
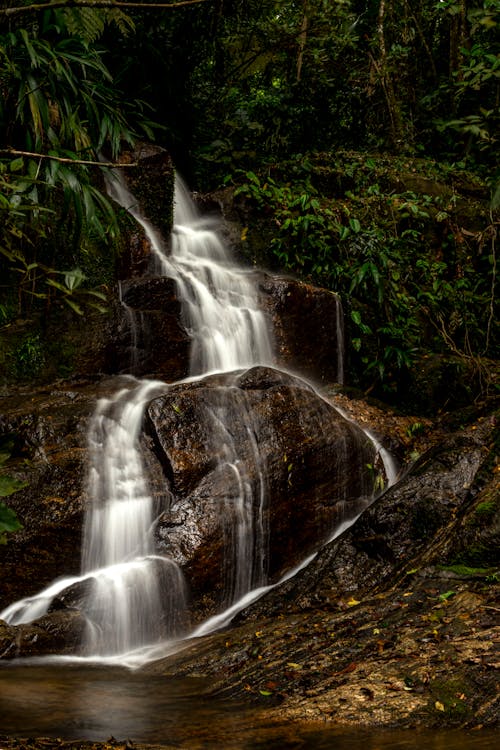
pixel 220 307
pixel 228 332
pixel 137 597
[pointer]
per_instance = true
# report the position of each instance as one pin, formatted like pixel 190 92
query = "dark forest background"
pixel 358 140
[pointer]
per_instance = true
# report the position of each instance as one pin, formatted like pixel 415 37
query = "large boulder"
pixel 435 515
pixel 252 470
pixel 257 453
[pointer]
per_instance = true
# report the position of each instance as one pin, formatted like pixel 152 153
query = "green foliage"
pixel 485 509
pixel 376 248
pixel 90 23
pixel 302 225
pixel 59 110
pixel 8 485
pixel 29 356
pixel 8 519
pixel 416 428
pixel 475 85
pixel 465 571
pixel 271 80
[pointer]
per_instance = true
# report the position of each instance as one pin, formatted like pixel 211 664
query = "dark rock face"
pixel 149 337
pixel 389 625
pixel 57 632
pixel 307 321
pixel 265 434
pixel 426 518
pixel 151 181
pixel 48 431
pixel 47 428
pixel 259 433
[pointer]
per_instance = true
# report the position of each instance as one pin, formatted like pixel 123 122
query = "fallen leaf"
pixel 350 668
pixel 271 685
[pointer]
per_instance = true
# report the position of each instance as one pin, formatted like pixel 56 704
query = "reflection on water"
pixel 81 701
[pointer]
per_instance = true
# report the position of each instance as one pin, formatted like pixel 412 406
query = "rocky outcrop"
pixel 147 335
pixel 293 461
pixel 45 434
pixel 395 623
pixel 149 175
pixel 420 521
pixel 54 633
pixel 264 445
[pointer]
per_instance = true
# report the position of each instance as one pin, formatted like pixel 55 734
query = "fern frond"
pixel 89 23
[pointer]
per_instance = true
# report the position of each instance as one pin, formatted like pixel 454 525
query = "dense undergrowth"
pixel 410 244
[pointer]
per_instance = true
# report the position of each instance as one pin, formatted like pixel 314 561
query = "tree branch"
pixel 35 7
pixel 67 160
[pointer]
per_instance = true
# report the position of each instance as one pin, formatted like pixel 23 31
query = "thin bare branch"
pixel 36 7
pixel 67 160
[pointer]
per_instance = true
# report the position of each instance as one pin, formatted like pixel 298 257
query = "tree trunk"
pixel 302 41
pixel 386 80
pixel 458 40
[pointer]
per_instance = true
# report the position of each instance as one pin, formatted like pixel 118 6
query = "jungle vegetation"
pixel 360 137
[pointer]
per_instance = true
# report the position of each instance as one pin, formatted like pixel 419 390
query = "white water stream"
pixel 136 601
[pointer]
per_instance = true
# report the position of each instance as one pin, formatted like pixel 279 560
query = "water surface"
pixel 82 701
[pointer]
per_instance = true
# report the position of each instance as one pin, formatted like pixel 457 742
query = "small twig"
pixel 67 160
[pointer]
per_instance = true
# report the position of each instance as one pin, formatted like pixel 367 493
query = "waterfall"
pixel 133 596
pixel 220 306
pixel 228 331
pixel 245 499
pixel 126 606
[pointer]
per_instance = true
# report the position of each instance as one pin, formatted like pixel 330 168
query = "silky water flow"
pixel 134 598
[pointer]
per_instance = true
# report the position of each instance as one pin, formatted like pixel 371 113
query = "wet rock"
pixel 285 462
pixel 418 521
pixel 55 633
pixel 308 327
pixel 151 181
pixel 375 632
pixel 47 431
pixel 148 336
